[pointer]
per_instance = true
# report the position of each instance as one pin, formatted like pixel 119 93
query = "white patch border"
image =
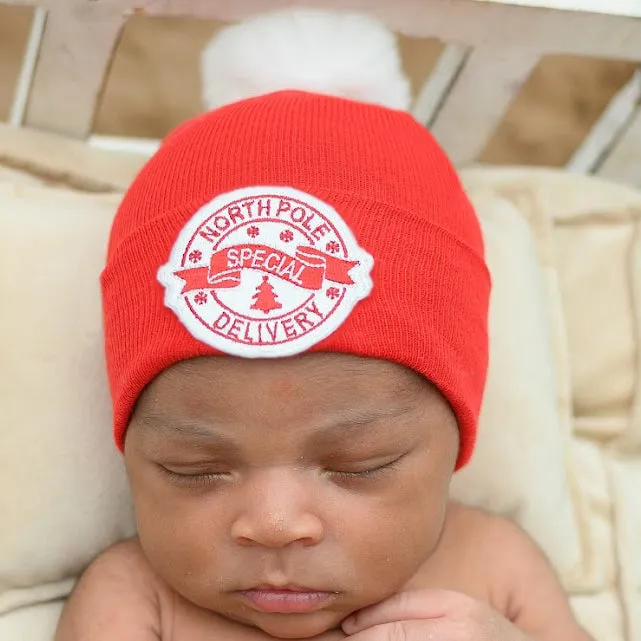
pixel 173 299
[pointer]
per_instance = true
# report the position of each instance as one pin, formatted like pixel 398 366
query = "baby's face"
pixel 286 494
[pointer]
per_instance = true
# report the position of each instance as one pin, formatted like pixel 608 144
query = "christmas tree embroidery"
pixel 265 298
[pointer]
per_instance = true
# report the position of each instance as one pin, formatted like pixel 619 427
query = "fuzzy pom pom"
pixel 341 54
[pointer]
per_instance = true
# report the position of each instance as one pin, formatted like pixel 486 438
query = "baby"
pixel 295 311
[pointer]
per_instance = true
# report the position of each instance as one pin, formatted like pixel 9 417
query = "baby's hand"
pixel 436 615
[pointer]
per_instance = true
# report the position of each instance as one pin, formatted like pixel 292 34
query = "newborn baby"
pixel 281 499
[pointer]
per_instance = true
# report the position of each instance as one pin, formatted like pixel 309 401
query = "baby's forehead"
pixel 330 388
pixel 309 369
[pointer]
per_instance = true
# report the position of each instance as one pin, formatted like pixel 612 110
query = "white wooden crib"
pixel 492 48
pixel 564 248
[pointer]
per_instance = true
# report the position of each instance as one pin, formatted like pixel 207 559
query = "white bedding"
pixel 561 420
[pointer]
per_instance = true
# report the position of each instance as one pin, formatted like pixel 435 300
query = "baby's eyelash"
pixel 379 470
pixel 209 478
pixel 194 479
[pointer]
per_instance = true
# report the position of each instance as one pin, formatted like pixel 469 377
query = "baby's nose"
pixel 277 511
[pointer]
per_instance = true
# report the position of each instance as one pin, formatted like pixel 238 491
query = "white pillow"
pixel 63 491
pixel 522 462
pixel 32 623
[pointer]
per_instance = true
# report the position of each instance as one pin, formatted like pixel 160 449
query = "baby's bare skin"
pixel 326 473
pixel 484 557
pixel 182 621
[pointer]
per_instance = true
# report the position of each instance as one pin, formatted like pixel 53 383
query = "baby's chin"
pixel 300 626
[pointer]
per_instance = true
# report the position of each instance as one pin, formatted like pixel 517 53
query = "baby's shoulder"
pixel 483 555
pixel 493 560
pixel 127 554
pixel 468 527
pixel 117 596
pixel 126 561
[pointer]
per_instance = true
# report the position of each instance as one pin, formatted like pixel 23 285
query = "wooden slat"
pixel 611 7
pixel 437 86
pixel 612 124
pixel 485 88
pixel 631 8
pixel 28 68
pixel 471 22
pixel 74 57
pixel 465 21
pixel 63 160
pixel 624 161
pixel 125 144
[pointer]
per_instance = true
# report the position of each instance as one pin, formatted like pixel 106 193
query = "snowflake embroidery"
pixel 195 255
pixel 333 293
pixel 200 298
pixel 287 235
pixel 253 231
pixel 333 247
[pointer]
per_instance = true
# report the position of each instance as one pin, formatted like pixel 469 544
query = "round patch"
pixel 265 272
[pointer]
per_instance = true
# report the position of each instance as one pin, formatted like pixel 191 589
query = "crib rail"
pixel 491 49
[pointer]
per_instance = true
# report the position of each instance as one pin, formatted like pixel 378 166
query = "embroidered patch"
pixel 265 272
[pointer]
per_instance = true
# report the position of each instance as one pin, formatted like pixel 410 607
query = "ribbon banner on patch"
pixel 307 269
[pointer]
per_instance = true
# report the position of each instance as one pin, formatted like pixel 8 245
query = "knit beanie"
pixel 296 221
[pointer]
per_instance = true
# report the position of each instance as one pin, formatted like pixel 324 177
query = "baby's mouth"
pixel 289 599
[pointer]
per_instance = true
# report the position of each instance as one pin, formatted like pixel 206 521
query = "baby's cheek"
pixel 387 546
pixel 180 539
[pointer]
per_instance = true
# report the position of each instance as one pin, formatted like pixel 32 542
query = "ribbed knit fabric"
pixel 389 181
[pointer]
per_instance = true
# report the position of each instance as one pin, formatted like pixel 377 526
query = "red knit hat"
pixel 297 222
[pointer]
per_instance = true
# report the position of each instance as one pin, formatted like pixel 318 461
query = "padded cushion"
pixel 559 426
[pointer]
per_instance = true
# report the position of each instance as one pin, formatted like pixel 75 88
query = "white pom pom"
pixel 341 54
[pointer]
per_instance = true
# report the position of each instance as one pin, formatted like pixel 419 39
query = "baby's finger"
pixel 417 604
pixel 406 630
pixel 385 632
